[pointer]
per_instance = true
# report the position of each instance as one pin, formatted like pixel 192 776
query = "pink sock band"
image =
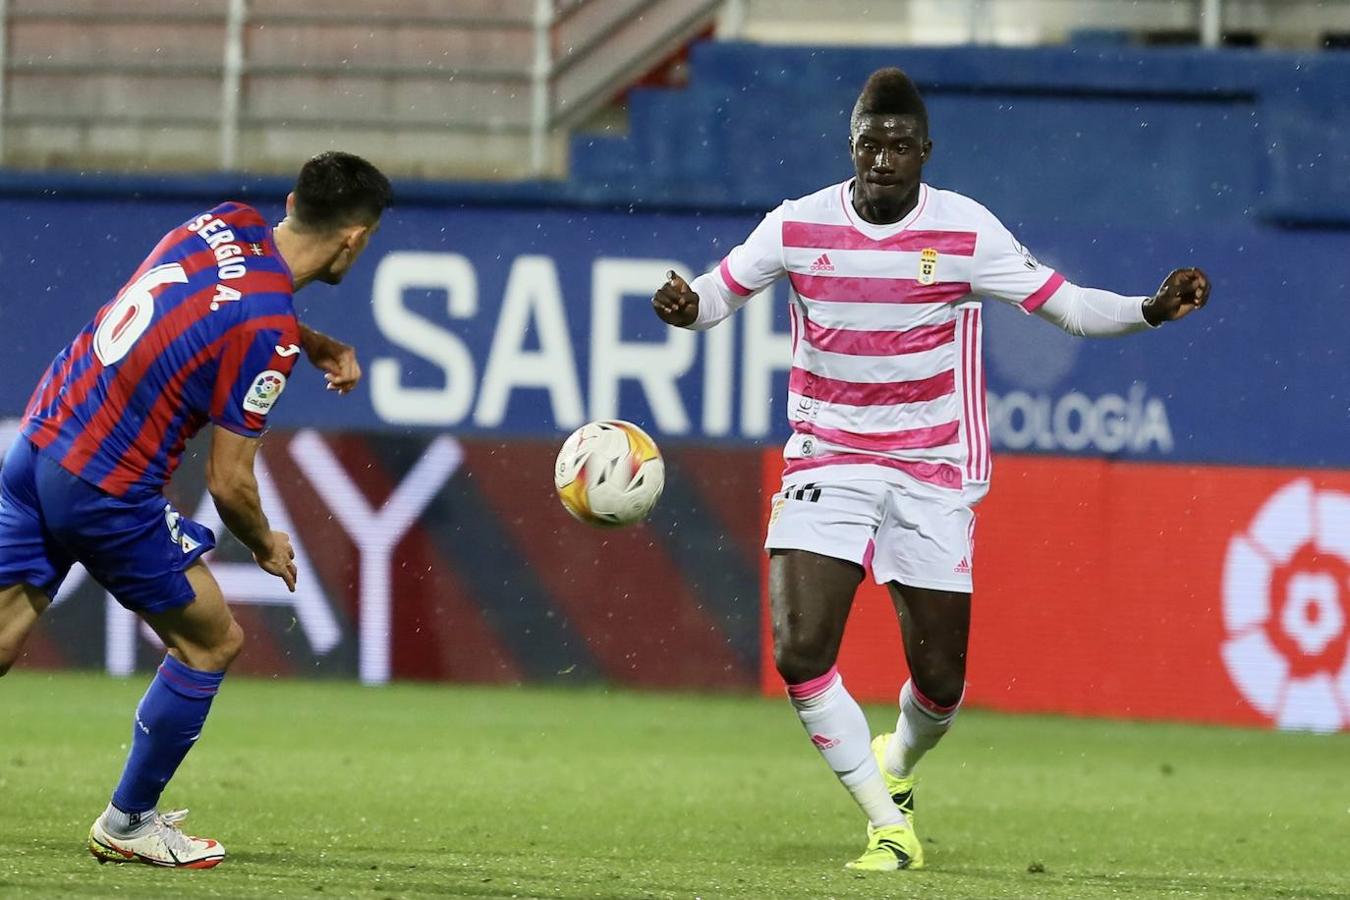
pixel 935 708
pixel 815 687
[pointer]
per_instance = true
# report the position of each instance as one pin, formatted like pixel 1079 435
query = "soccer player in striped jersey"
pixel 889 451
pixel 204 332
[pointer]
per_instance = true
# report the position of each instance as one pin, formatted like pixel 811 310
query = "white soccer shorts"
pixel 912 533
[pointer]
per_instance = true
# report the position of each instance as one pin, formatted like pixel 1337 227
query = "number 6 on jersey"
pixel 132 313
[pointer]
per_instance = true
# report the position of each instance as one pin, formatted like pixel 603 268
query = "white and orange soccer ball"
pixel 609 473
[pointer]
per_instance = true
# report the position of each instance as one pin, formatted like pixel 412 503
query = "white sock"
pixel 838 728
pixel 921 725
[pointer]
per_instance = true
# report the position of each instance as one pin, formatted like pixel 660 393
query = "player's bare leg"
pixel 936 628
pixel 203 634
pixel 810 598
pixel 202 639
pixel 20 607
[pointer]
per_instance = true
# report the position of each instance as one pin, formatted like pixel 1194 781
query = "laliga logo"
pixel 267 386
pixel 1286 606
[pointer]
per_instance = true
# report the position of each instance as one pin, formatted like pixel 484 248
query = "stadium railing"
pixel 484 89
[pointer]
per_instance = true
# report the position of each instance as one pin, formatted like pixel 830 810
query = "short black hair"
pixel 889 92
pixel 335 189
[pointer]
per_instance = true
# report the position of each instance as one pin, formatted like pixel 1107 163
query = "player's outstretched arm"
pixel 332 357
pixel 713 296
pixel 675 302
pixel 1091 312
pixel 1182 292
pixel 233 487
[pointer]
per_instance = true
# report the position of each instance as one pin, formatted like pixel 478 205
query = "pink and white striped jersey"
pixel 887 372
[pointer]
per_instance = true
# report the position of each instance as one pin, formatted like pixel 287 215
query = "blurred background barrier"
pixel 555 158
pixel 435 558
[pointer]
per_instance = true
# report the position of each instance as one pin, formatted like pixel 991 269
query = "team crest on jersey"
pixel 263 392
pixel 928 258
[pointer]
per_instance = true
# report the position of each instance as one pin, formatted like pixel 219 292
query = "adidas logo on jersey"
pixel 963 567
pixel 822 264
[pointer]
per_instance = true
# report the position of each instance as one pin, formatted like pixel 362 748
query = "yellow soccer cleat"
pixel 900 789
pixel 890 849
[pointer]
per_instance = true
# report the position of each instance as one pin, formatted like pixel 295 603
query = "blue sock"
pixel 168 721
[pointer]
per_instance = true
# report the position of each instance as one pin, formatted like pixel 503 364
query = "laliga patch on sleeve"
pixel 263 393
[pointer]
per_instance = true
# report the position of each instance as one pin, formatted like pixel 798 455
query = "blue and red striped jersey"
pixel 204 331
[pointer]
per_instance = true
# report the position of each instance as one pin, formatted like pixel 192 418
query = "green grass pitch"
pixel 323 789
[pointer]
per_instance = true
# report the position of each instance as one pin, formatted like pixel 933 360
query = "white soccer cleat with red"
pixel 162 844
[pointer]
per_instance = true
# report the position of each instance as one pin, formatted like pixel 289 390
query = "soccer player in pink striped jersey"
pixel 889 453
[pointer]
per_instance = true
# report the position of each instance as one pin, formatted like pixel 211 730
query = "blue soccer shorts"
pixel 138 547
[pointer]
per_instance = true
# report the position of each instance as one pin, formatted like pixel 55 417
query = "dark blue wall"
pixel 1082 134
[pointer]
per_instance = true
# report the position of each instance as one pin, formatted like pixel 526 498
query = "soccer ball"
pixel 609 473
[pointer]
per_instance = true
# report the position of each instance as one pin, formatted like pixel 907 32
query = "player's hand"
pixel 279 559
pixel 332 357
pixel 1182 293
pixel 675 303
